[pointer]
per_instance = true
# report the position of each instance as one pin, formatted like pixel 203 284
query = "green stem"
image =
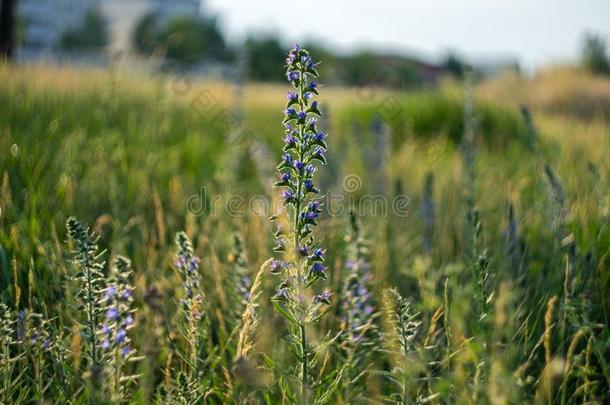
pixel 91 301
pixel 305 352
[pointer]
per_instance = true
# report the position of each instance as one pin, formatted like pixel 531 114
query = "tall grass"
pixel 461 298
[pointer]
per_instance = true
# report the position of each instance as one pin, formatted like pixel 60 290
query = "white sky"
pixel 537 32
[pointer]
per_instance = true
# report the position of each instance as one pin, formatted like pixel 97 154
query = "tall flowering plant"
pixel 115 344
pixel 304 148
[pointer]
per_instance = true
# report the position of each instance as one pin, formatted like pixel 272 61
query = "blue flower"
pixel 125 352
pixel 276 266
pixel 308 185
pixel 310 169
pixel 311 215
pixel 323 298
pixel 317 269
pixel 112 314
pixel 293 75
pixel 318 254
pixel 303 250
pixel 120 336
pixel 290 140
pixel 194 263
pixel 127 293
pixel 281 294
pixel 110 291
pixel 288 195
pixel 128 320
pixel 314 206
pixel 299 165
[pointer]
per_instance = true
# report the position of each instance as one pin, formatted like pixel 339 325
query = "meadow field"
pixel 465 233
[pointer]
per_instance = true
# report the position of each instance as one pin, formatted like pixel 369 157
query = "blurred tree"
pixel 7 22
pixel 184 39
pixel 91 34
pixel 594 55
pixel 265 57
pixel 360 69
pixel 454 64
pixel 144 36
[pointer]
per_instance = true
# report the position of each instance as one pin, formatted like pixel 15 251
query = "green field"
pixel 139 158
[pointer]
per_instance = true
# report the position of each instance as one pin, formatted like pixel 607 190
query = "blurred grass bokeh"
pixel 126 153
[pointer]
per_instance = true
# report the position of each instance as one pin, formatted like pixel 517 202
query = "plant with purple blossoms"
pixel 192 302
pixel 358 312
pixel 239 278
pixel 34 339
pixel 90 280
pixel 401 344
pixel 303 150
pixel 115 343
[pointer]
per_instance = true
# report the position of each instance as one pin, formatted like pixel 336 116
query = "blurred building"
pixel 42 23
pixel 123 15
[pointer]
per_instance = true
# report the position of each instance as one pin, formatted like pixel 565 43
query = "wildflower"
pixel 90 280
pixel 288 196
pixel 317 270
pixel 119 319
pixel 304 149
pixel 112 314
pixel 192 303
pixel 110 291
pixel 281 294
pixel 290 141
pixel 303 250
pixel 308 185
pixel 276 266
pixel 318 255
pixel 323 298
pixel 310 170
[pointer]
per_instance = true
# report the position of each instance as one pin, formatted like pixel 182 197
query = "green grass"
pixel 126 153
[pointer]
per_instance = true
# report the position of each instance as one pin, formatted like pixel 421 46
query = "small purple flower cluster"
pixel 191 304
pixel 31 329
pixel 188 265
pixel 357 296
pixel 117 299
